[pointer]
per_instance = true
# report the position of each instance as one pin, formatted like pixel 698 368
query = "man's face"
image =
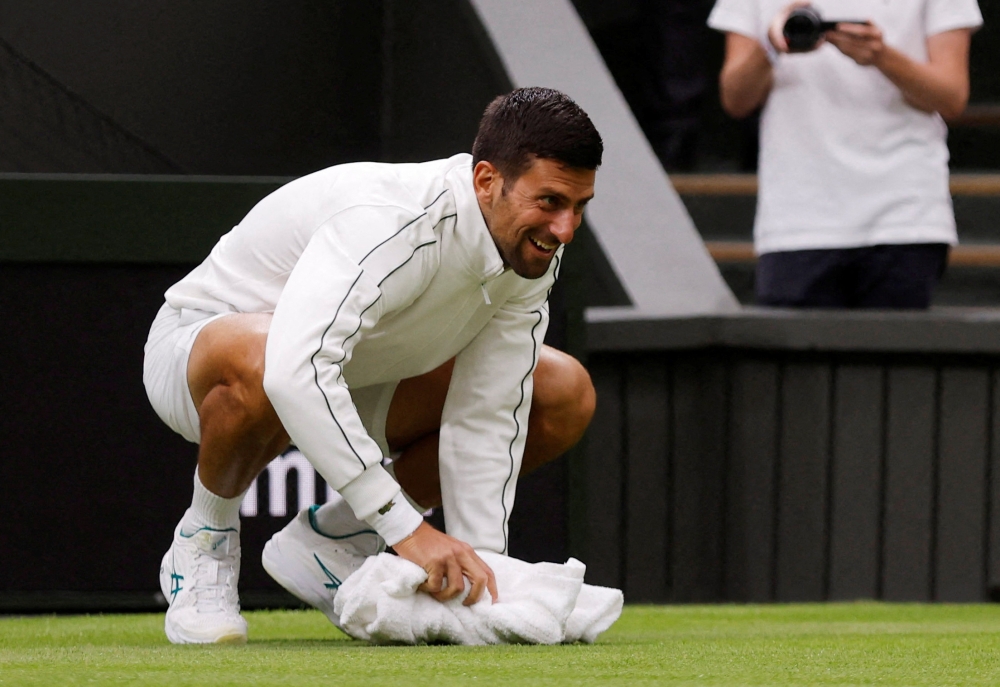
pixel 539 212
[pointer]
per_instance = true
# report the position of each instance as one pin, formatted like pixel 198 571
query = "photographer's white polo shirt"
pixel 844 160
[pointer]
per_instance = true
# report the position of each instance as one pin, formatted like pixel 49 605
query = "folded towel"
pixel 540 603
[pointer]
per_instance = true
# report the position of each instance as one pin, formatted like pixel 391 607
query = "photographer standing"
pixel 853 208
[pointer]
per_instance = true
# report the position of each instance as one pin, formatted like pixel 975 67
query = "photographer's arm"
pixel 939 85
pixel 746 77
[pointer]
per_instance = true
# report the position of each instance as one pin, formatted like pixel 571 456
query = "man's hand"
pixel 447 559
pixel 776 31
pixel 861 42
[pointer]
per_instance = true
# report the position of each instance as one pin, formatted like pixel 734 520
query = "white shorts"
pixel 164 373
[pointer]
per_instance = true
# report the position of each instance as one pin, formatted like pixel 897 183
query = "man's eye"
pixel 550 201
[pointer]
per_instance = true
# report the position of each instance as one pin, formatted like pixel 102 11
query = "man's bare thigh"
pixel 417 405
pixel 236 343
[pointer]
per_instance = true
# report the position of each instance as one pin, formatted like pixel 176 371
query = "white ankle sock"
pixel 336 518
pixel 209 510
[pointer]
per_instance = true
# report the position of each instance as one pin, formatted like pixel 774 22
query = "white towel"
pixel 540 603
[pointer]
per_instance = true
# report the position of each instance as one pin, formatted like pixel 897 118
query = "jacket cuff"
pixel 369 491
pixel 374 490
pixel 398 522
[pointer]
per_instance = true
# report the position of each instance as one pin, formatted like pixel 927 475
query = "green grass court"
pixel 839 644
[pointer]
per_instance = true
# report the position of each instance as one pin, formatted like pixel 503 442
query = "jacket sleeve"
pixel 485 419
pixel 332 297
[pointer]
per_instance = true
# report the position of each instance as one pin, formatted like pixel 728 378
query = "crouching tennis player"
pixel 370 310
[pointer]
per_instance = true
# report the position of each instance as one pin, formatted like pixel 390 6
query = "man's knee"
pixel 226 370
pixel 564 399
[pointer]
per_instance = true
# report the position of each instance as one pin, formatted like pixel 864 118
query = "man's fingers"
pixel 478 573
pixel 455 580
pixel 478 584
pixel 489 581
pixel 481 576
pixel 491 584
pixel 435 579
pixel 447 562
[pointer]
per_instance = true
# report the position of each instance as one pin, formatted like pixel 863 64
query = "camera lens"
pixel 803 29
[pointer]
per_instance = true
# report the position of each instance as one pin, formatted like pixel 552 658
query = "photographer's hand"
pixel 776 30
pixel 861 42
pixel 941 84
pixel 747 74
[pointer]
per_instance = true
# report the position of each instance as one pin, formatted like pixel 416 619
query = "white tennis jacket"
pixel 375 273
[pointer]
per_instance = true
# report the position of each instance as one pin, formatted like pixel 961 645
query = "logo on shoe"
pixel 334 582
pixel 175 584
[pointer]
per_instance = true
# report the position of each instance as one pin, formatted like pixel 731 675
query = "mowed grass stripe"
pixel 835 644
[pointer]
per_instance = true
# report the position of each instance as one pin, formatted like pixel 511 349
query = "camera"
pixel 804 27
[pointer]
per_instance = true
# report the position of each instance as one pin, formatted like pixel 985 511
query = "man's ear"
pixel 487 181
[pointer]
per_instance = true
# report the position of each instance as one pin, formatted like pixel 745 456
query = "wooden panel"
pixel 855 509
pixel 646 473
pixel 753 418
pixel 699 406
pixel 742 252
pixel 909 483
pixel 961 512
pixel 801 545
pixel 604 522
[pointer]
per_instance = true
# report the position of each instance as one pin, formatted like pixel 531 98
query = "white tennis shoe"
pixel 199 576
pixel 312 564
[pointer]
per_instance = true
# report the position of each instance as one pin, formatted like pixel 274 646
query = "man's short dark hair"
pixel 536 122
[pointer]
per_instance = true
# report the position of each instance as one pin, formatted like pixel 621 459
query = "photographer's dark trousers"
pixel 884 276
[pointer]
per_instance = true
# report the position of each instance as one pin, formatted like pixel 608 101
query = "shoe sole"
pixel 234 637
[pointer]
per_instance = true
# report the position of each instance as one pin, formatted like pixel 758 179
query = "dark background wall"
pixel 248 88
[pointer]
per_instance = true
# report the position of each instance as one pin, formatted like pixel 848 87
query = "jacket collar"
pixel 476 244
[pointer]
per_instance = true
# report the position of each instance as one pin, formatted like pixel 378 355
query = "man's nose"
pixel 564 226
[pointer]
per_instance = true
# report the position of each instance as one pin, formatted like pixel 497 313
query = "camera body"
pixel 805 27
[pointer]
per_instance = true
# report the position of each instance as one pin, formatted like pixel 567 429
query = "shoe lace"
pixel 211 595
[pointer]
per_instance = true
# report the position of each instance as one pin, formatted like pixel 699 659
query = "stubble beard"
pixel 527 269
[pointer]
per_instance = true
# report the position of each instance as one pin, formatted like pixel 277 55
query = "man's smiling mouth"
pixel 543 246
